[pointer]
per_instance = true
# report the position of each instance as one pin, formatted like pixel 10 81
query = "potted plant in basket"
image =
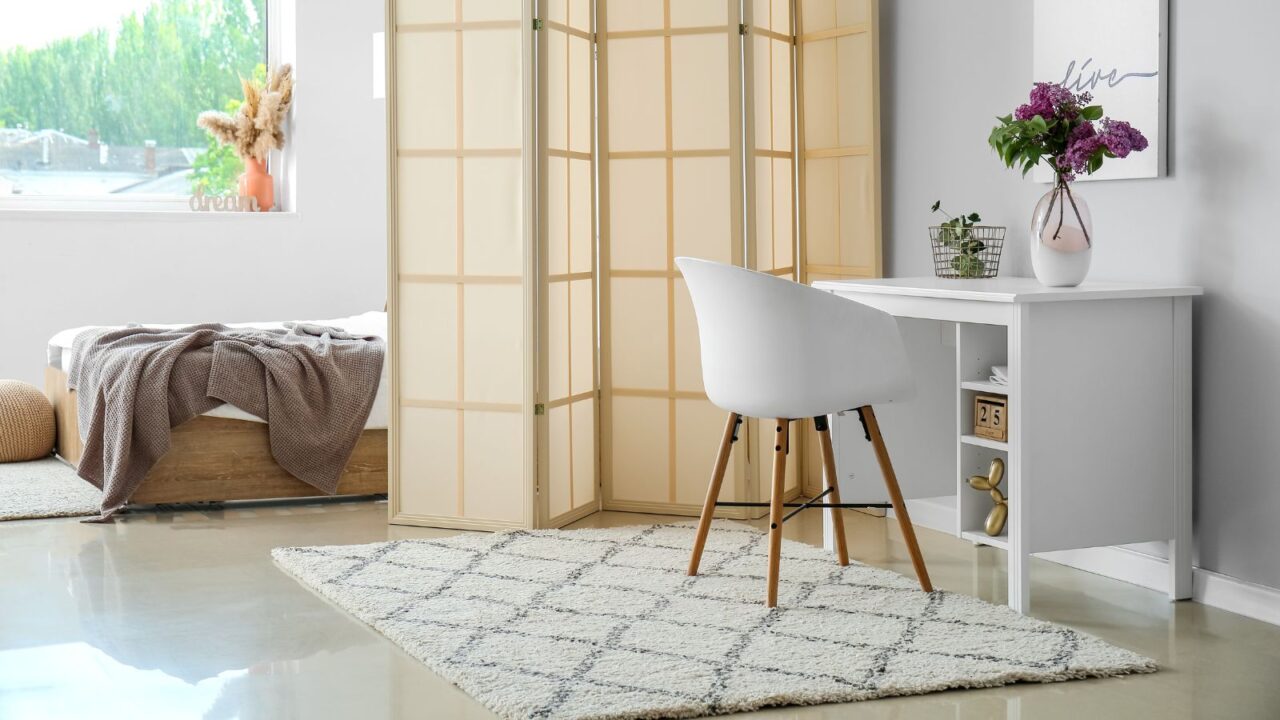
pixel 1073 138
pixel 255 129
pixel 964 249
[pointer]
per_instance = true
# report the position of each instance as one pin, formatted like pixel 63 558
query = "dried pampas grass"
pixel 254 130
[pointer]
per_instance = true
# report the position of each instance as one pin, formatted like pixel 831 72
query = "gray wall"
pixel 949 68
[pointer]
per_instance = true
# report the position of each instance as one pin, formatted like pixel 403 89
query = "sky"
pixel 33 24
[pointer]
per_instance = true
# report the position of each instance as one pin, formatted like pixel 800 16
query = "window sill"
pixel 133 215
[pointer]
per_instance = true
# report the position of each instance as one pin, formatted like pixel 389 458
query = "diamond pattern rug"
pixel 604 623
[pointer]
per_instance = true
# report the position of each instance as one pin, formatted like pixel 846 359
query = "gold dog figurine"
pixel 996 518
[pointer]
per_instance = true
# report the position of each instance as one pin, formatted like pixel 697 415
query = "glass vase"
pixel 1061 237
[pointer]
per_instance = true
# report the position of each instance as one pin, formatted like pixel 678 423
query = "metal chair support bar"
pixel 882 506
pixel 808 504
pixel 847 506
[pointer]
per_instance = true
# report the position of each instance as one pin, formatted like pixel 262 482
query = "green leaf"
pixel 974 217
pixel 967 266
pixel 935 207
pixel 1093 112
pixel 1027 164
pixel 1038 125
pixel 1006 154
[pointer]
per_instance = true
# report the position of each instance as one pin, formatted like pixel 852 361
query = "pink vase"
pixel 1061 237
pixel 256 182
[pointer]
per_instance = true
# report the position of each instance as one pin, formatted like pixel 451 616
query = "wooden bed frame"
pixel 214 459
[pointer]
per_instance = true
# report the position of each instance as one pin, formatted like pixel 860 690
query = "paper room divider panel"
pixel 462 283
pixel 549 160
pixel 567 378
pixel 670 179
pixel 838 63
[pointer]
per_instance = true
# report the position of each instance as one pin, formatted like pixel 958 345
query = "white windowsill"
pixel 133 214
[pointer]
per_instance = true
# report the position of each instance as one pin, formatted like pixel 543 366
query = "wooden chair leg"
pixel 713 492
pixel 895 496
pixel 775 510
pixel 832 483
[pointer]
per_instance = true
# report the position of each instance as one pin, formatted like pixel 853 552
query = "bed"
pixel 225 454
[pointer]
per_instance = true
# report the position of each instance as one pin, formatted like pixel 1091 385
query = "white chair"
pixel 772 348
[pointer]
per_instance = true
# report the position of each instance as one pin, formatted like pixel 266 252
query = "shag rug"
pixel 604 623
pixel 45 488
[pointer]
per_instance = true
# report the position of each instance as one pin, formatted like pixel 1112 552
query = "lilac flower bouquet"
pixel 1063 129
pixel 1070 135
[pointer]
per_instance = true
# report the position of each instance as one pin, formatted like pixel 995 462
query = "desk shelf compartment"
pixel 980 537
pixel 972 505
pixel 978 348
pixel 986 387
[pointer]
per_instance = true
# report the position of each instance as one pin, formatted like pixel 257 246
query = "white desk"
pixel 1099 449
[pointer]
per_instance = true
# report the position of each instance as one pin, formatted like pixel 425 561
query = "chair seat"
pixel 795 407
pixel 774 348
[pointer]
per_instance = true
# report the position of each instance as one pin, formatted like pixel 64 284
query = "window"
pixel 99 98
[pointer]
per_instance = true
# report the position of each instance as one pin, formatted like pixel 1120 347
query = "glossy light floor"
pixel 183 615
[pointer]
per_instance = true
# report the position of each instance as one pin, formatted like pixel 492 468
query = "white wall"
pixel 950 68
pixel 329 260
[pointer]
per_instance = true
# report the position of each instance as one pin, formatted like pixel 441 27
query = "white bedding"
pixel 370 323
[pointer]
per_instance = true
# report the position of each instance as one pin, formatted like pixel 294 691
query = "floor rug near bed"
pixel 44 489
pixel 604 623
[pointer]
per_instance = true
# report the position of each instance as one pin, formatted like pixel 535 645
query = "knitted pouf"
pixel 26 422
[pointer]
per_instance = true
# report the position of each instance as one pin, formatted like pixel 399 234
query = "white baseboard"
pixel 1210 588
pixel 935 513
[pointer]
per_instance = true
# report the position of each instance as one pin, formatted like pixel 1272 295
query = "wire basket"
pixel 971 252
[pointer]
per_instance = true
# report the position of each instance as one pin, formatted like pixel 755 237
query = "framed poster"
pixel 1118 51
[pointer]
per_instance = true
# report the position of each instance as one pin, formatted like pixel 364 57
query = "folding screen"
pixel 566 225
pixel 545 356
pixel 461 284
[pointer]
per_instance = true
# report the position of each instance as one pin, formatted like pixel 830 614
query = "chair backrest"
pixel 775 348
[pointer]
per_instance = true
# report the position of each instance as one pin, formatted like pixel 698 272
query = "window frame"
pixel 281 45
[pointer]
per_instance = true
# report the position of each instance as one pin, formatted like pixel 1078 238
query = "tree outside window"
pixel 112 110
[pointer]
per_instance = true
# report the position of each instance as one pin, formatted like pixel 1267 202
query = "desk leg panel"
pixel 1019 581
pixel 1182 544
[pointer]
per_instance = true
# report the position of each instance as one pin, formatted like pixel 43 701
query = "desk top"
pixel 1005 289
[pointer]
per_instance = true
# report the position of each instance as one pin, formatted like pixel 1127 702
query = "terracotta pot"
pixel 256 182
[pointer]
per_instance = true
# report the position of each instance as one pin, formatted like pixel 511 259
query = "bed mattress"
pixel 370 323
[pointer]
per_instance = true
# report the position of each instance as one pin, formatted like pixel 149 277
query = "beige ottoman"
pixel 26 422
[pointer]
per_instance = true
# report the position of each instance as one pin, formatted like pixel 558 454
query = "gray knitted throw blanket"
pixel 314 386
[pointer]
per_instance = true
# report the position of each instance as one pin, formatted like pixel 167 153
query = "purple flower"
pixel 1074 143
pixel 1052 101
pixel 1082 143
pixel 1121 138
